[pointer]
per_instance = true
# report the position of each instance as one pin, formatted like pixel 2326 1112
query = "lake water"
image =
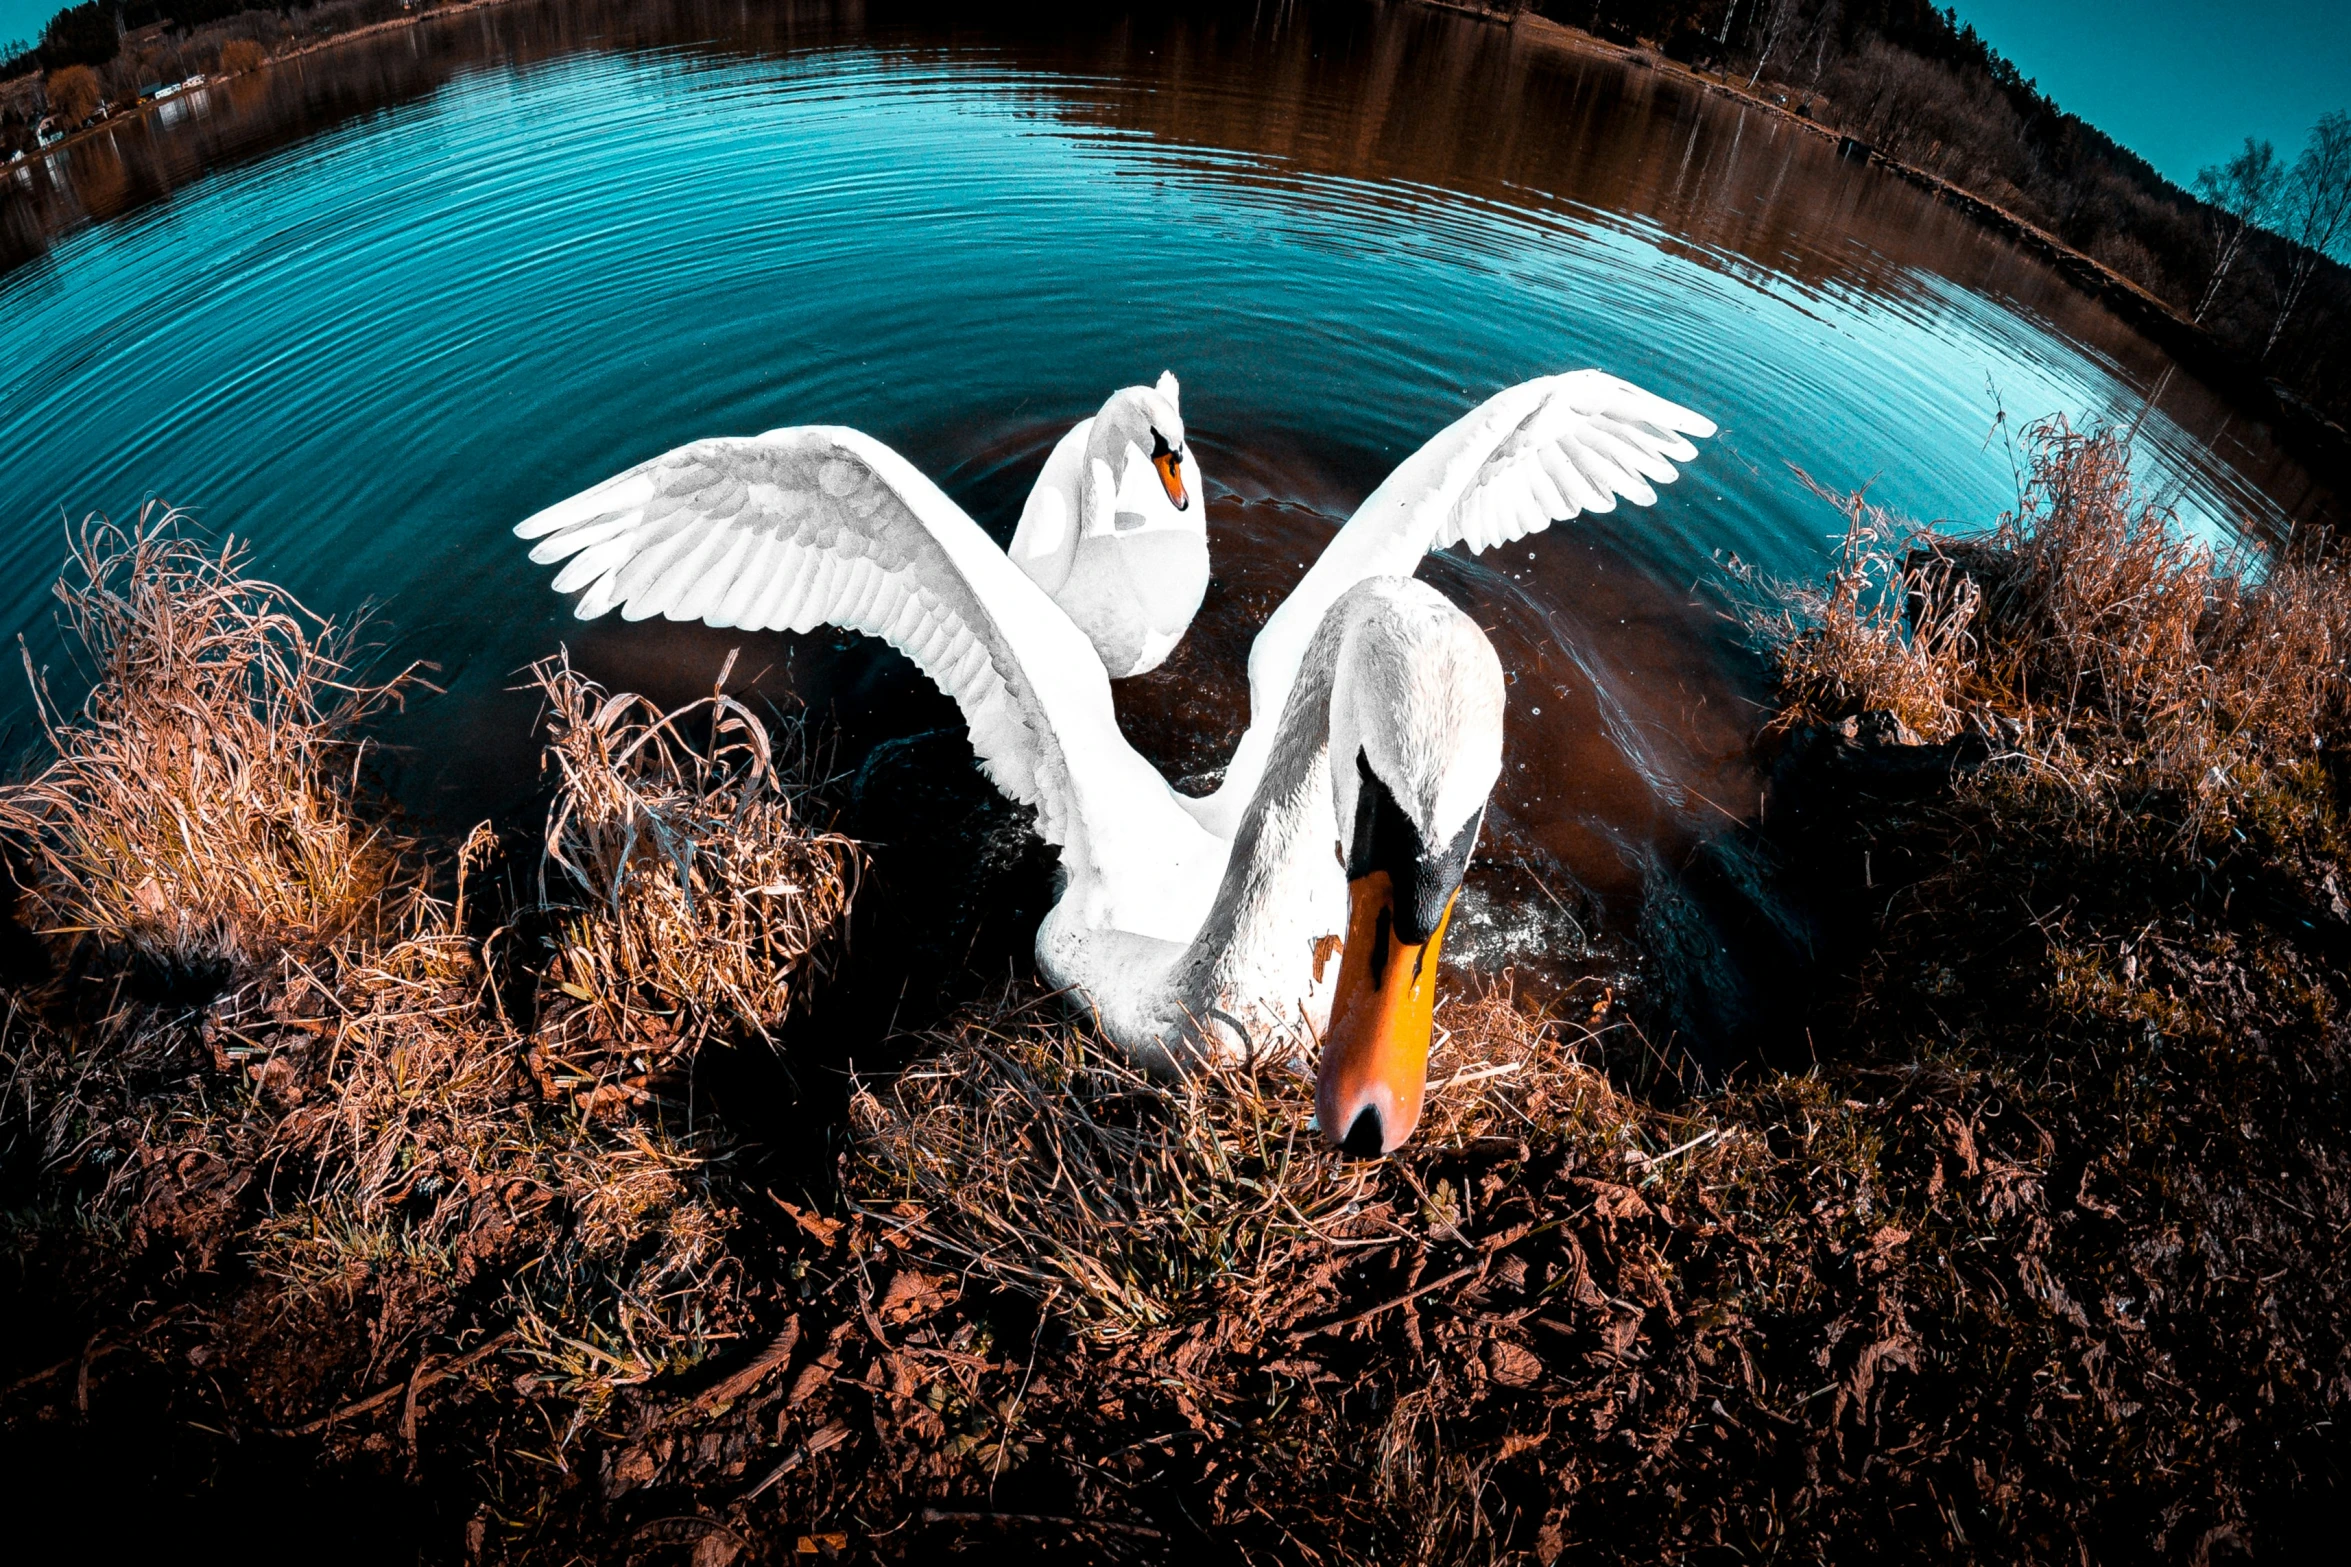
pixel 369 308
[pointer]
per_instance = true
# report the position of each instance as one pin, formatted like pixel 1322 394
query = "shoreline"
pixel 147 107
pixel 2305 432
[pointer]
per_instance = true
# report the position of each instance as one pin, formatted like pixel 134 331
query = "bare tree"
pixel 1772 26
pixel 74 94
pixel 2317 213
pixel 1824 33
pixel 2244 193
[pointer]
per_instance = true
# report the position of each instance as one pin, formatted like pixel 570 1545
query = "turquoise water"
pixel 510 254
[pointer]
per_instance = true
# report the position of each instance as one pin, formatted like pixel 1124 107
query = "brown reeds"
pixel 707 903
pixel 1028 1152
pixel 1887 630
pixel 324 1110
pixel 2149 658
pixel 2085 632
pixel 197 809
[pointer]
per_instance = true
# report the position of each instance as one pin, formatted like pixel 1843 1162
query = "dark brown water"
pixel 371 307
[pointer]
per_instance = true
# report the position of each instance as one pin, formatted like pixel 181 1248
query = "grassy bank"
pixel 376 1159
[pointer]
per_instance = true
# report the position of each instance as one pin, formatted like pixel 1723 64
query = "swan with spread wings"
pixel 1307 898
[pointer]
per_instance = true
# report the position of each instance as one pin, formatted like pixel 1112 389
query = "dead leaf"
pixel 825 1230
pixel 909 1294
pixel 1513 1365
pixel 1518 1442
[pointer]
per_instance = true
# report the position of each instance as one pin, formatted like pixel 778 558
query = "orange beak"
pixel 1375 1059
pixel 1171 477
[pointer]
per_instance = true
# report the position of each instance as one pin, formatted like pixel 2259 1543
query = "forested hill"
pixel 1925 88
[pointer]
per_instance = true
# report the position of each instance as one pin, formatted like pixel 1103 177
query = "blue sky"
pixel 24 18
pixel 2180 82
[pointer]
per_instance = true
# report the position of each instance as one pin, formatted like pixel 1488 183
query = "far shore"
pixel 2319 442
pixel 334 41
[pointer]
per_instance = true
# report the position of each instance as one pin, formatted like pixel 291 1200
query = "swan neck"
pixel 1283 886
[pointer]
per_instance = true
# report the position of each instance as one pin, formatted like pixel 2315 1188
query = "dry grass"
pixel 2085 634
pixel 1888 629
pixel 327 1113
pixel 2112 637
pixel 198 807
pixel 1026 1151
pixel 707 904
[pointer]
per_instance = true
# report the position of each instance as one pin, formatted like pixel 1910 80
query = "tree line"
pixel 2255 252
pixel 93 59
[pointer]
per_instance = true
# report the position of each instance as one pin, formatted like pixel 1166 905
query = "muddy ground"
pixel 2034 1252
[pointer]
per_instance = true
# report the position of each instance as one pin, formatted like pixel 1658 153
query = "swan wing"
pixel 1533 454
pixel 823 525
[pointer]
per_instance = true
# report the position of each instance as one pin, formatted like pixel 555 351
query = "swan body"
pixel 1306 900
pixel 1116 529
pixel 1397 676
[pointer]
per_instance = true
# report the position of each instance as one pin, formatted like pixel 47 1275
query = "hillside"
pixel 1926 90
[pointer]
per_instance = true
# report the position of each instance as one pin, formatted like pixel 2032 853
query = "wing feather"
pixel 1576 493
pixel 589 564
pixel 750 584
pixel 1531 455
pixel 694 585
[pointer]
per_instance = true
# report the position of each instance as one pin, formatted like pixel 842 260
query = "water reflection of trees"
pixel 1403 95
pixel 1387 97
pixel 1421 98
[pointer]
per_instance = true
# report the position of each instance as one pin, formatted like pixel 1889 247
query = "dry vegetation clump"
pixel 1886 631
pixel 196 814
pixel 706 904
pixel 321 1138
pixel 1026 1151
pixel 2151 658
pixel 2085 634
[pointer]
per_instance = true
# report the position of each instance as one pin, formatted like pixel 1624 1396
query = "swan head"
pixel 1415 750
pixel 1139 563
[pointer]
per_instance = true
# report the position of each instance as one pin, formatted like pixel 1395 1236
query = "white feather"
pixel 1530 455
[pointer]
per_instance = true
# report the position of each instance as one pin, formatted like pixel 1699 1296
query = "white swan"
pixel 1182 937
pixel 1116 529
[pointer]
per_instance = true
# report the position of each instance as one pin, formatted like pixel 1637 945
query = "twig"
pixel 1650 1161
pixel 940 1515
pixel 824 1441
pixel 1013 1411
pixel 383 1396
pixel 1458 1274
pixel 42 1375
